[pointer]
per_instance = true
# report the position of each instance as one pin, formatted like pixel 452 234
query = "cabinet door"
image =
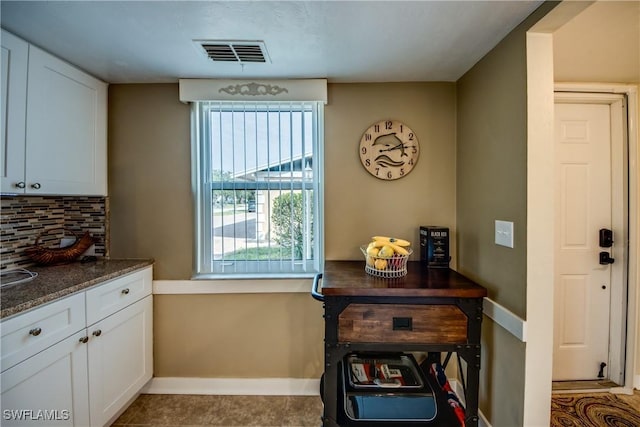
pixel 66 129
pixel 120 359
pixel 49 388
pixel 15 54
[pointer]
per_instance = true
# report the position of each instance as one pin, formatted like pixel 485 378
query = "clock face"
pixel 389 149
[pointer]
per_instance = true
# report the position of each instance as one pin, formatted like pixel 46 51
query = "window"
pixel 258 188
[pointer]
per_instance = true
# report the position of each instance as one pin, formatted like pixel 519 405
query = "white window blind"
pixel 258 189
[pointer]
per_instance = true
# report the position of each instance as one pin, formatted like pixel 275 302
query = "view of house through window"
pixel 258 185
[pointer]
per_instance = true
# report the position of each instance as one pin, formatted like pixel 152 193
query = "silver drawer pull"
pixel 125 291
pixel 36 186
pixel 20 184
pixel 35 332
pixel 84 340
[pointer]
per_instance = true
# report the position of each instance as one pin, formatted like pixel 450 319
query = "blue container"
pixel 391 407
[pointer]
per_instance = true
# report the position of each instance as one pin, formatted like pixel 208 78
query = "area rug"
pixel 592 410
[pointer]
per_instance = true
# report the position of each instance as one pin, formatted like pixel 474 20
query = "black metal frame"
pixel 336 351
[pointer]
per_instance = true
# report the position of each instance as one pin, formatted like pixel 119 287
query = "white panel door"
pixel 120 359
pixel 66 128
pixel 49 389
pixel 583 206
pixel 15 54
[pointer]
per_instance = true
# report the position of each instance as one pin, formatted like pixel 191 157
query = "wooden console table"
pixel 428 310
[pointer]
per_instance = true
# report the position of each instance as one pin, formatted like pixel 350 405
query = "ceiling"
pixel 343 41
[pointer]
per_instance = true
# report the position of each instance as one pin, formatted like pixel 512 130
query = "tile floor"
pixel 201 410
pixel 263 411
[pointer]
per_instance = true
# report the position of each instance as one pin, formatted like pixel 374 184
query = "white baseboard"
pixel 482 421
pixel 234 386
pixel 636 382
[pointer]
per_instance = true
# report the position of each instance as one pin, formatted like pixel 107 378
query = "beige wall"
pixel 238 336
pixel 358 205
pixel 601 44
pixel 274 335
pixel 492 185
pixel 150 177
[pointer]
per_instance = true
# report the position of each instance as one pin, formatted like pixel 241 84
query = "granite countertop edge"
pixel 71 286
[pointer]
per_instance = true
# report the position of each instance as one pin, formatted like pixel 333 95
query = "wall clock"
pixel 389 150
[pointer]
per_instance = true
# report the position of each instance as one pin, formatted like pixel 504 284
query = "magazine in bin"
pixel 383 371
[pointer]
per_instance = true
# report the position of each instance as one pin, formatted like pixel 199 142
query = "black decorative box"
pixel 434 246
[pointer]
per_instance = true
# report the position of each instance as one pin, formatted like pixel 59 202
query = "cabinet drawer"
pixel 29 333
pixel 402 323
pixel 106 299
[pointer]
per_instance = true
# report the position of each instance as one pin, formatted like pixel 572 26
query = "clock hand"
pixel 395 147
pixel 400 146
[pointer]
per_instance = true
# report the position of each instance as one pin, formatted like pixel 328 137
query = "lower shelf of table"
pixel 432 395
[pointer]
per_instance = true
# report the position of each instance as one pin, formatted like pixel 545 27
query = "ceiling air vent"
pixel 235 51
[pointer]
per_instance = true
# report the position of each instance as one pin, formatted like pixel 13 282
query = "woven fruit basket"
pixel 386 267
pixel 51 256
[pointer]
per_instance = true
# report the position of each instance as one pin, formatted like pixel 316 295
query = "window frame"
pixel 201 192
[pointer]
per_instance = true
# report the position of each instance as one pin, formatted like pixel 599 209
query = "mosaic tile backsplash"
pixel 23 219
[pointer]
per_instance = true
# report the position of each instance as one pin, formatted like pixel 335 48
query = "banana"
pixel 387 251
pixel 377 244
pixel 381 243
pixel 399 249
pixel 398 242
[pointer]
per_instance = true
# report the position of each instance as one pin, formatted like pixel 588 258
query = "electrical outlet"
pixel 504 233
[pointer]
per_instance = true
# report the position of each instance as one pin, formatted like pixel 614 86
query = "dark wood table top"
pixel 348 278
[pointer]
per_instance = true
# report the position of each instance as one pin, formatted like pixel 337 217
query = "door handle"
pixel 605 258
pixel 606 238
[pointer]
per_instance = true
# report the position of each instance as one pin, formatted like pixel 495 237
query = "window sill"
pixel 232 286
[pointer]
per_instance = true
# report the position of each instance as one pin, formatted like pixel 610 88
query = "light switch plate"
pixel 504 233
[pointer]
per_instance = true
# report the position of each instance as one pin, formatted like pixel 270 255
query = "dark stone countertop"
pixel 55 282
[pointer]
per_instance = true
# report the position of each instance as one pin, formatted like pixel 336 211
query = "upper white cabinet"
pixel 15 57
pixel 66 128
pixel 64 139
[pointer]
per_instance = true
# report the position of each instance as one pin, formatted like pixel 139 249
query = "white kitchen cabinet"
pixel 15 56
pixel 119 315
pixel 66 138
pixel 56 121
pixel 120 359
pixel 49 388
pixel 79 373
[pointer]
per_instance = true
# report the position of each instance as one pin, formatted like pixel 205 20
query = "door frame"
pixel 619 222
pixel 625 335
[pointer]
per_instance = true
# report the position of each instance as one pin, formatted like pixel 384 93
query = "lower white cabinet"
pixel 120 359
pixel 49 388
pixel 87 377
